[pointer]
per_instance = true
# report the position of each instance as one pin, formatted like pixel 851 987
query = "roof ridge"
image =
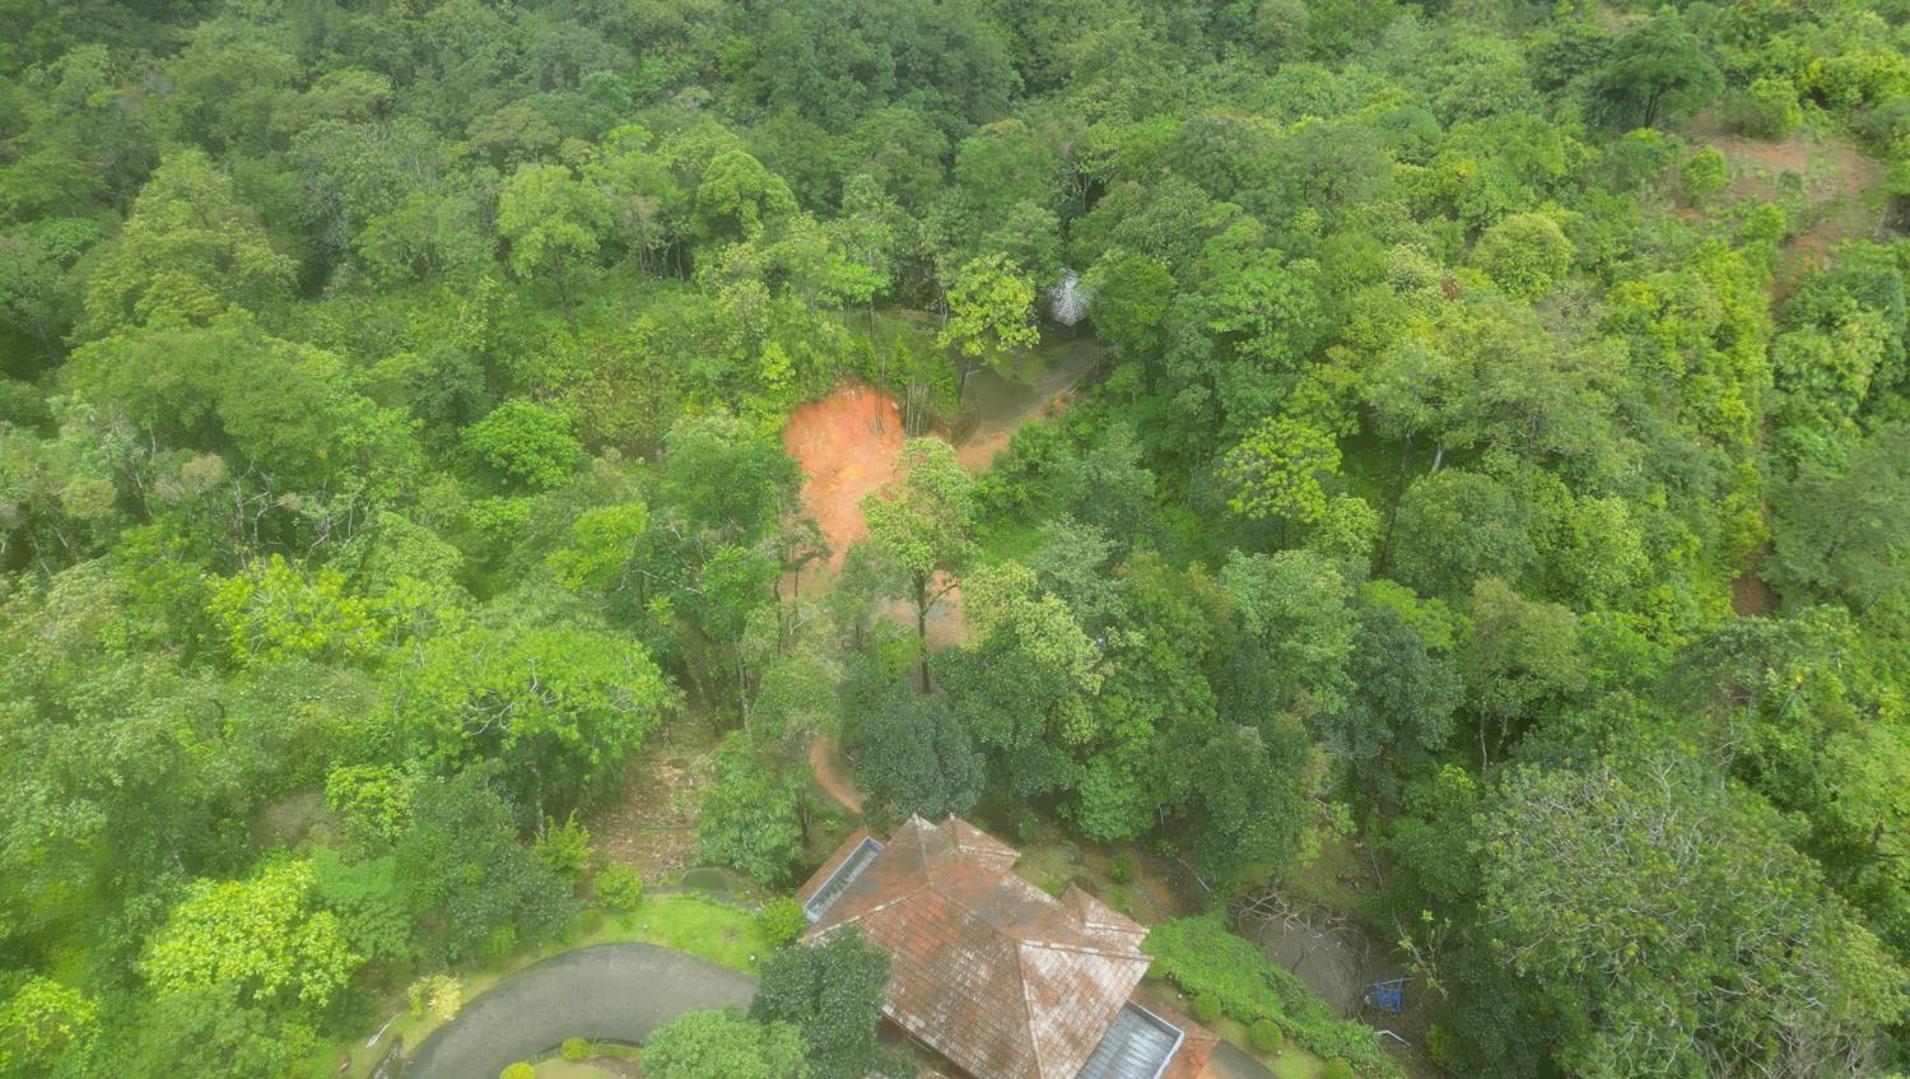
pixel 1083 949
pixel 1028 1013
pixel 877 909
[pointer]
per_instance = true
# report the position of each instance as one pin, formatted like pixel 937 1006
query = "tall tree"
pixel 924 522
pixel 1658 70
pixel 1677 930
pixel 990 315
pixel 832 991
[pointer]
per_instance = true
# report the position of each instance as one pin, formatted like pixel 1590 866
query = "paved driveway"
pixel 618 992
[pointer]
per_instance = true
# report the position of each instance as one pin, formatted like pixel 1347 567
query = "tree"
pixel 1297 631
pixel 554 224
pixel 1024 686
pixel 260 939
pixel 1276 471
pixel 1608 885
pixel 1132 295
pixel 472 889
pixel 832 992
pixel 923 522
pixel 1658 70
pixel 1453 527
pixel 738 199
pixel 1839 530
pixel 1404 695
pixel 748 818
pixel 1524 254
pixel 563 707
pixel 917 758
pixel 712 1044
pixel 42 1022
pixel 189 252
pixel 275 611
pixel 990 315
pixel 1521 661
pixel 532 444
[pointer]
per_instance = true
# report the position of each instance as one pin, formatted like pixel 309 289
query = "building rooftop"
pixel 996 975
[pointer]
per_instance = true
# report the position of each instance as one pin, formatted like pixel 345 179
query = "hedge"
pixel 1201 957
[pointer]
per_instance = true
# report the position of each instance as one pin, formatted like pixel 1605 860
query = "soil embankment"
pixel 846 443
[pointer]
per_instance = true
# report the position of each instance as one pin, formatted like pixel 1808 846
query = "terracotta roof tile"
pixel 1001 978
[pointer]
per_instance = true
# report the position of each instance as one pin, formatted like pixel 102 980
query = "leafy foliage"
pixel 1466 445
pixel 831 992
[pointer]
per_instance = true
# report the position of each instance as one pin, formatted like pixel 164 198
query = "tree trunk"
pixel 921 624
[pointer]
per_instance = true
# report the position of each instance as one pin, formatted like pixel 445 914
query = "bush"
pixel 618 887
pixel 574 1049
pixel 519 1070
pixel 1206 1007
pixel 1766 109
pixel 782 920
pixel 1202 958
pixel 1266 1037
pixel 436 995
pixel 1121 868
pixel 566 849
pixel 1703 175
pixel 1338 1068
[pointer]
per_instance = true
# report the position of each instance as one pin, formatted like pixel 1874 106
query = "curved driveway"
pixel 615 992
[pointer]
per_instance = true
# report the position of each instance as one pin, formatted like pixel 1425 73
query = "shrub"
pixel 1766 109
pixel 1338 1068
pixel 436 995
pixel 519 1070
pixel 619 887
pixel 1703 175
pixel 1121 868
pixel 566 849
pixel 574 1049
pixel 1202 958
pixel 1206 1007
pixel 1266 1037
pixel 782 920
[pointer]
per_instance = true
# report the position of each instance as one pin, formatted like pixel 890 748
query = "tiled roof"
pixel 1001 978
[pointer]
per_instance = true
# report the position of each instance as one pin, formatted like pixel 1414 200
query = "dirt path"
pixel 652 826
pixel 606 992
pixel 833 772
pixel 1750 596
pixel 1002 403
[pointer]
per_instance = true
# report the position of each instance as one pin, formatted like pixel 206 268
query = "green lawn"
pixel 691 923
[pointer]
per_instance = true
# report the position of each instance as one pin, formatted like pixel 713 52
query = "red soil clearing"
pixel 846 444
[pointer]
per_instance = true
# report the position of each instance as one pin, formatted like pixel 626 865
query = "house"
pixel 1000 978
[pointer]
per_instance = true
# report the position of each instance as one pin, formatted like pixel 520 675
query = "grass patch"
pixel 688 922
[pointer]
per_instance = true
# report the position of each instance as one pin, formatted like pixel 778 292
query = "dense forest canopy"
pixel 1497 456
